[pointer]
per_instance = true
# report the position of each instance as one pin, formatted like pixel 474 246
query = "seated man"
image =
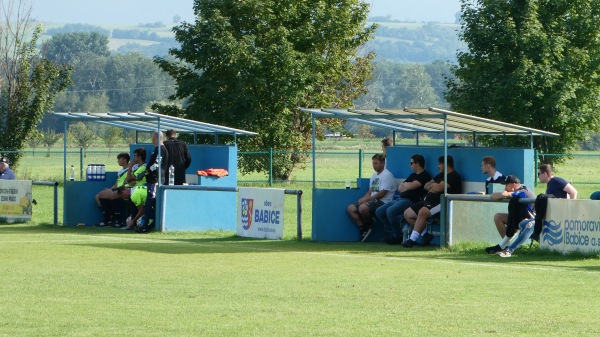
pixel 105 197
pixel 411 191
pixel 136 172
pixel 557 187
pixel 137 195
pixel 381 190
pixel 418 213
pixel 488 166
pixel 5 172
pixel 513 187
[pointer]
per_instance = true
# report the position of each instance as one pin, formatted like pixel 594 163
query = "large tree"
pixel 252 64
pixel 28 83
pixel 531 62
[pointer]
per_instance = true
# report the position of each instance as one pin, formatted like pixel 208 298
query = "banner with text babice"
pixel 260 213
pixel 571 225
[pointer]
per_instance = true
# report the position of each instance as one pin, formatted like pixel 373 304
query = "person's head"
pixel 139 155
pixel 155 138
pixel 450 161
pixel 384 144
pixel 512 183
pixel 171 134
pixel 378 162
pixel 417 161
pixel 545 173
pixel 124 192
pixel 488 165
pixel 4 163
pixel 123 158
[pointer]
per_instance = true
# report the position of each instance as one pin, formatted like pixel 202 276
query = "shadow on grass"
pixel 226 242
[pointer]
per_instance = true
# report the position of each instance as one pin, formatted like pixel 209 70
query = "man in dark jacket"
pixel 179 156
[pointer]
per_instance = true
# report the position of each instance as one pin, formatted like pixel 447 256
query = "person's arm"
pixel 379 195
pixel 188 156
pixel 407 186
pixel 366 197
pixel 500 195
pixel 436 187
pixel 139 214
pixel 571 191
pixel 130 177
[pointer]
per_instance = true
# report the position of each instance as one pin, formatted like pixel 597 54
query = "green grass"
pixel 86 281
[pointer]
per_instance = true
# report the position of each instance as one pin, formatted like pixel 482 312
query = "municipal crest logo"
pixel 247 206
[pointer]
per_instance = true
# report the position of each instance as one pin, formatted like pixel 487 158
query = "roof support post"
pixel 65 152
pixel 314 152
pixel 445 155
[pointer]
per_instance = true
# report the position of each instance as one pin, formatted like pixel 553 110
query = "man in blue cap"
pixel 5 172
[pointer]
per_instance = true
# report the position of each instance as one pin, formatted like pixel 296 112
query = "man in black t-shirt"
pixel 418 213
pixel 411 191
pixel 179 156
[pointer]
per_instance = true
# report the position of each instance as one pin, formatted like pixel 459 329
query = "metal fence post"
pixel 270 167
pixel 535 166
pixel 81 163
pixel 360 155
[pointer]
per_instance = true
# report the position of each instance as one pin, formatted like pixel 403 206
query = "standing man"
pixel 513 187
pixel 411 191
pixel 154 164
pixel 418 213
pixel 5 172
pixel 179 156
pixel 559 188
pixel 488 166
pixel 381 190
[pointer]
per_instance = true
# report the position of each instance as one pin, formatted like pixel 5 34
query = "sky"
pixel 146 11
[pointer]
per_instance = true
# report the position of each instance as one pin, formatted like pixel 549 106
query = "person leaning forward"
pixel 381 190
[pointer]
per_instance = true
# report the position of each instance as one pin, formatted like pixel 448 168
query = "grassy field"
pixel 86 281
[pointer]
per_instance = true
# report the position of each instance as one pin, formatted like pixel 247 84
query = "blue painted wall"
pixel 79 200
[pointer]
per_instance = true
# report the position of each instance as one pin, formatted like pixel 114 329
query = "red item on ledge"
pixel 213 172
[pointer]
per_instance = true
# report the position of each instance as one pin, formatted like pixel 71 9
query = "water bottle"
pixel 88 172
pixel 405 232
pixel 171 175
pixel 102 172
pixel 72 173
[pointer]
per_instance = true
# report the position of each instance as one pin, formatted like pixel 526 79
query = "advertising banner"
pixel 260 213
pixel 15 200
pixel 571 225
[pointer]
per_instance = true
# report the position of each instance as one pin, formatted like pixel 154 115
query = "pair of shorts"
pixel 431 205
pixel 373 205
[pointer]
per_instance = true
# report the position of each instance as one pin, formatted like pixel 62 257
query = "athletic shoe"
pixel 127 228
pixel 102 224
pixel 408 243
pixel 393 241
pixel 493 249
pixel 426 240
pixel 504 253
pixel 364 233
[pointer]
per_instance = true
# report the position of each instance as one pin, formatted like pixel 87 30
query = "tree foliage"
pixel 251 64
pixel 65 47
pixel 49 138
pixel 82 135
pixel 531 62
pixel 28 83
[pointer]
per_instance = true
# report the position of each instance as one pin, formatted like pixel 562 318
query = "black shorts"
pixel 429 204
pixel 373 205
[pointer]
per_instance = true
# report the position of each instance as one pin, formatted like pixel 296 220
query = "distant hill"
pixel 394 41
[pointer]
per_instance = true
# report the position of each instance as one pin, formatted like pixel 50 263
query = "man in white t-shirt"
pixel 381 190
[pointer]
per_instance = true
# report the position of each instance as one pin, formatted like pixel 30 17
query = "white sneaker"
pixel 504 253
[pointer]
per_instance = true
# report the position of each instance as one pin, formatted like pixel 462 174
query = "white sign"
pixel 260 213
pixel 15 200
pixel 572 225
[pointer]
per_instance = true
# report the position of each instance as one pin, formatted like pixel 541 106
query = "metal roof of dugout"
pixel 149 122
pixel 424 120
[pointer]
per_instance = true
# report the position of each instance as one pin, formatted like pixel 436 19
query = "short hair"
pixel 123 155
pixel 121 189
pixel 141 152
pixel 490 161
pixel 450 161
pixel 171 133
pixel 417 158
pixel 546 168
pixel 386 142
pixel 379 156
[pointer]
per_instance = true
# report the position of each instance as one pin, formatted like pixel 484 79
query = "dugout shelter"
pixel 459 221
pixel 188 203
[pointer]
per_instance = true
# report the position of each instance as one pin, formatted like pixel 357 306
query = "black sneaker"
pixel 427 238
pixel 364 233
pixel 408 243
pixel 493 249
pixel 393 241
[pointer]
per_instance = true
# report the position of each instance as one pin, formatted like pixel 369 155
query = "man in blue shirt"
pixel 5 172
